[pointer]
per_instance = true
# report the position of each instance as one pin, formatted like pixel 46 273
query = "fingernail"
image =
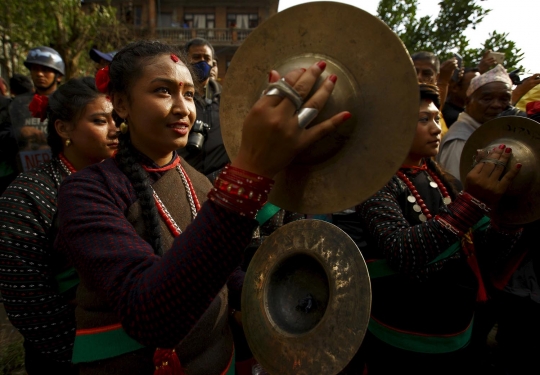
pixel 347 116
pixel 518 165
pixel 321 65
pixel 508 150
pixel 303 70
pixel 333 78
pixel 502 147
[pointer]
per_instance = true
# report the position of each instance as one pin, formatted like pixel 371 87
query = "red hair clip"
pixel 174 58
pixel 38 106
pixel 102 80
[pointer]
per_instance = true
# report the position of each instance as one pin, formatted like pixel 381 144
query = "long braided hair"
pixel 431 92
pixel 126 67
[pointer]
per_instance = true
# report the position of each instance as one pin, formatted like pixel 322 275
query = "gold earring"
pixel 68 142
pixel 123 127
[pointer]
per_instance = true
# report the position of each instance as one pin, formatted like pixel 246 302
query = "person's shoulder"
pixel 99 172
pixel 40 181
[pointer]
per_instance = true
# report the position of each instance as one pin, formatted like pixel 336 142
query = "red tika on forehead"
pixel 174 58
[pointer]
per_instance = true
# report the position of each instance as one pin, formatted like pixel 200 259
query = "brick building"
pixel 224 23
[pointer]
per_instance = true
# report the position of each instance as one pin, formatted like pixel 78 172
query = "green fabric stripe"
pixel 419 343
pixel 67 280
pixel 266 212
pixel 96 346
pixel 232 369
pixel 380 267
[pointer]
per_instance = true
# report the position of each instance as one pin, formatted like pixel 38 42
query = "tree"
pixel 65 25
pixel 446 31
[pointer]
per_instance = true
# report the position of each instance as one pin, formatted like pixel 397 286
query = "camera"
pixel 197 136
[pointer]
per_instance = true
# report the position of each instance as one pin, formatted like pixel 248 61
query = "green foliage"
pixel 445 32
pixel 66 25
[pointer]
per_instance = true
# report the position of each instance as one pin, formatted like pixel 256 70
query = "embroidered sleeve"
pixel 27 282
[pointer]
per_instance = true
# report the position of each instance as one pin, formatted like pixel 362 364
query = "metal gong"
pixel 521 202
pixel 376 82
pixel 306 300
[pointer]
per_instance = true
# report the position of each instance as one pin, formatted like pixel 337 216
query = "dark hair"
pixel 67 104
pixel 125 68
pixel 424 55
pixel 20 84
pixel 430 92
pixel 197 42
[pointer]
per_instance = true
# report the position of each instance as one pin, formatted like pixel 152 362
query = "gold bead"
pixel 240 191
pixel 68 142
pixel 123 127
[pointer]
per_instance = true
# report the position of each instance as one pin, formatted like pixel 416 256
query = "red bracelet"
pixel 240 191
pixel 476 202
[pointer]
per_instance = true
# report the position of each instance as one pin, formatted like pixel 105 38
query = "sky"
pixel 519 18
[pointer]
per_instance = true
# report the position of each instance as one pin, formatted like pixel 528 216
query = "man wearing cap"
pixel 487 96
pixel 23 138
pixel 102 59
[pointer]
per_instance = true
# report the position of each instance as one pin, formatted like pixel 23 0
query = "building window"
pixel 199 21
pixel 243 21
pixel 165 20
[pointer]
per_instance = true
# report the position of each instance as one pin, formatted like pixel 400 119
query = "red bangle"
pixel 240 191
pixel 476 202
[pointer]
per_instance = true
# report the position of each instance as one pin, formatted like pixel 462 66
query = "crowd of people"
pixel 126 230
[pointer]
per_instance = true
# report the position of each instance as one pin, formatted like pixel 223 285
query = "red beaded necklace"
pixel 66 165
pixel 417 201
pixel 190 193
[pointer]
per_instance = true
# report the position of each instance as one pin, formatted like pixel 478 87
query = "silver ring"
pixel 305 116
pixel 284 90
pixel 493 161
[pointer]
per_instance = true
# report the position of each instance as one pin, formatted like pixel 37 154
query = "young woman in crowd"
pixel 152 241
pixel 423 235
pixel 34 280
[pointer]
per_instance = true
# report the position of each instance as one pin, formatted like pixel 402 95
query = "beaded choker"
pixel 415 198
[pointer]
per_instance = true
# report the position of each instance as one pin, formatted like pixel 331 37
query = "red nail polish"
pixel 347 116
pixel 269 76
pixel 333 78
pixel 508 150
pixel 321 65
pixel 502 147
pixel 518 165
pixel 303 70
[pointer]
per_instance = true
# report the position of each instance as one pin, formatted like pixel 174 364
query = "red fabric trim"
pixel 418 333
pixel 92 331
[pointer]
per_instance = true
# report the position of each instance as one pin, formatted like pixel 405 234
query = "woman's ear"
pixel 120 105
pixel 63 129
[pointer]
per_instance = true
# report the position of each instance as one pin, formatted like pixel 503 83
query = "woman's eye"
pixel 423 119
pixel 190 94
pixel 163 90
pixel 100 121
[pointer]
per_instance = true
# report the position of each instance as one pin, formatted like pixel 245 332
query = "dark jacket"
pixel 213 155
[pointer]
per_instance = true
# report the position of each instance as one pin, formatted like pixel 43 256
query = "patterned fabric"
pixel 497 74
pixel 159 299
pixel 409 244
pixel 28 263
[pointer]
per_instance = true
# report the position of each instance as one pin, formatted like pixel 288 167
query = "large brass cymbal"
pixel 376 83
pixel 306 300
pixel 521 203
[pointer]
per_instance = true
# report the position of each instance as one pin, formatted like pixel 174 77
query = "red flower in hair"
pixel 38 106
pixel 102 80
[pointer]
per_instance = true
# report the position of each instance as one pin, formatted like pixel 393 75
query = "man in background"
pixel 205 150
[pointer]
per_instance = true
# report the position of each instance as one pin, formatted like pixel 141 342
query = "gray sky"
pixel 519 18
